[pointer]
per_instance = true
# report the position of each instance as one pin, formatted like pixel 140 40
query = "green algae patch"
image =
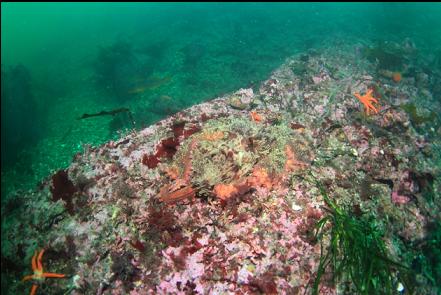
pixel 415 118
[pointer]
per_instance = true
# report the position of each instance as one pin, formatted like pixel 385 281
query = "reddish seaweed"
pixel 178 128
pixel 138 245
pixel 167 147
pixel 264 284
pixel 62 188
pixel 150 161
pixel 191 130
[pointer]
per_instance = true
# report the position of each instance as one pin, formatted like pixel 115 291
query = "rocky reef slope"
pixel 222 197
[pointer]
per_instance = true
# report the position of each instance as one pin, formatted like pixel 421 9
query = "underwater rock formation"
pixel 223 199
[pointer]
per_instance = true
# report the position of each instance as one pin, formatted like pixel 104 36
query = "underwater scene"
pixel 220 148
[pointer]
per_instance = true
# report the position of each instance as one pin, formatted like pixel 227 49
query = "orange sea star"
pixel 256 116
pixel 39 274
pixel 367 100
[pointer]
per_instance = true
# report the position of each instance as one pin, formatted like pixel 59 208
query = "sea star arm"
pixel 27 278
pixel 369 107
pixel 39 265
pixel 357 95
pixel 34 262
pixel 34 289
pixel 367 101
pixel 373 99
pixel 373 108
pixel 52 275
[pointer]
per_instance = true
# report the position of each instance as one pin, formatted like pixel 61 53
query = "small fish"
pixel 137 90
pixel 150 84
pixel 104 113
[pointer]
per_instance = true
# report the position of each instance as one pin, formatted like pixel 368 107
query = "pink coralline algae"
pixel 244 250
pixel 399 199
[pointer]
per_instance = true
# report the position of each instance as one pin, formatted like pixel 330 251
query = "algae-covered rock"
pixel 219 199
pixel 387 56
pixel 299 68
pixel 417 119
pixel 227 150
pixel 241 99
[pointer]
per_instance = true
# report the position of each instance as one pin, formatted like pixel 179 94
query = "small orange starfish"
pixel 39 274
pixel 367 100
pixel 256 116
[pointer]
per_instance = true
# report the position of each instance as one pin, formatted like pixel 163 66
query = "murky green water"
pixel 60 61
